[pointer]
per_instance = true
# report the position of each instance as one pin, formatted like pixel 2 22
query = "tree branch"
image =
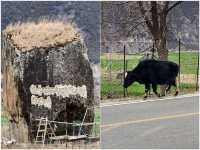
pixel 135 26
pixel 148 23
pixel 154 15
pixel 122 3
pixel 166 6
pixel 170 8
pixel 125 21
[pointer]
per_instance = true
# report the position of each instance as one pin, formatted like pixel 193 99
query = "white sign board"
pixel 58 90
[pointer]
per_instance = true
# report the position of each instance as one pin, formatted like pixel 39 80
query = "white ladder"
pixel 43 131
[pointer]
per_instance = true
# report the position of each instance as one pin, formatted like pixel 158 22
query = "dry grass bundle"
pixel 10 95
pixel 44 33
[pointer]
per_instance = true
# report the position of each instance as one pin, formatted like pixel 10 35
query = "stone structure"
pixel 46 64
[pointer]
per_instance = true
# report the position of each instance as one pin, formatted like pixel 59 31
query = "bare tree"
pixel 156 22
pixel 126 19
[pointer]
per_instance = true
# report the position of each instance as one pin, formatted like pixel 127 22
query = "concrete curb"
pixel 131 101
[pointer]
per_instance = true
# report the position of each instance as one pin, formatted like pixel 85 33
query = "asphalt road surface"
pixel 171 123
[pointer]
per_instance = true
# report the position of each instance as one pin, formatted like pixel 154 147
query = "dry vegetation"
pixel 11 95
pixel 44 33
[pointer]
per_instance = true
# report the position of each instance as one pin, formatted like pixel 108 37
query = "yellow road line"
pixel 116 125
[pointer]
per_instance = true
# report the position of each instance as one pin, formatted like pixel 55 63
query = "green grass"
pixel 117 64
pixel 136 90
pixel 188 62
pixel 97 116
pixel 96 127
pixel 4 120
pixel 114 89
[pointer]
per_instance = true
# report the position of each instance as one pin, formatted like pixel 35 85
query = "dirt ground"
pixel 8 133
pixel 188 78
pixel 69 145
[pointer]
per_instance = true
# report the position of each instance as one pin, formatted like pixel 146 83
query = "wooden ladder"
pixel 44 129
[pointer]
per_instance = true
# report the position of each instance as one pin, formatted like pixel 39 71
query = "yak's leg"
pixel 174 83
pixel 154 86
pixel 163 94
pixel 149 91
pixel 147 88
pixel 168 88
pixel 126 91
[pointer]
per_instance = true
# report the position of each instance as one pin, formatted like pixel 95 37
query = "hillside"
pixel 86 15
pixel 182 22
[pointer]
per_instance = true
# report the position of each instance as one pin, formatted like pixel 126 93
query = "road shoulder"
pixel 126 101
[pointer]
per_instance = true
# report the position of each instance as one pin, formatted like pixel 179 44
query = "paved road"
pixel 172 123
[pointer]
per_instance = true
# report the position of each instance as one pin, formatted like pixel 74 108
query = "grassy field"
pixel 97 115
pixel 114 89
pixel 96 128
pixel 4 120
pixel 188 61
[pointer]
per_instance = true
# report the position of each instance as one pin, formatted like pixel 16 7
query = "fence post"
pixel 126 90
pixel 124 67
pixel 153 50
pixel 197 82
pixel 179 60
pixel 73 128
pixel 110 67
pixel 95 129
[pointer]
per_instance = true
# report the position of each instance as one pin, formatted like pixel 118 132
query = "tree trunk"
pixel 163 55
pixel 158 28
pixel 162 50
pixel 160 43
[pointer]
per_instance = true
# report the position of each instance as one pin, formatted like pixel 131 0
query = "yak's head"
pixel 129 79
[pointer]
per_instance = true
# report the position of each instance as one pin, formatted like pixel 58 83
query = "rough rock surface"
pixel 48 67
pixel 86 15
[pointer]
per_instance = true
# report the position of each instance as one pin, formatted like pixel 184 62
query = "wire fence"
pixel 90 130
pixel 75 128
pixel 113 66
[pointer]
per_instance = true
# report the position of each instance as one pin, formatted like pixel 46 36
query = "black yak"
pixel 153 72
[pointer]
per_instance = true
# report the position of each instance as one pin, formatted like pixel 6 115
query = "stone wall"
pixel 49 68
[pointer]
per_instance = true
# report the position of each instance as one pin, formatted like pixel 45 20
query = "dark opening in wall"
pixel 70 115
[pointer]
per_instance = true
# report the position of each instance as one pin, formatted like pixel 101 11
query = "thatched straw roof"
pixel 44 33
